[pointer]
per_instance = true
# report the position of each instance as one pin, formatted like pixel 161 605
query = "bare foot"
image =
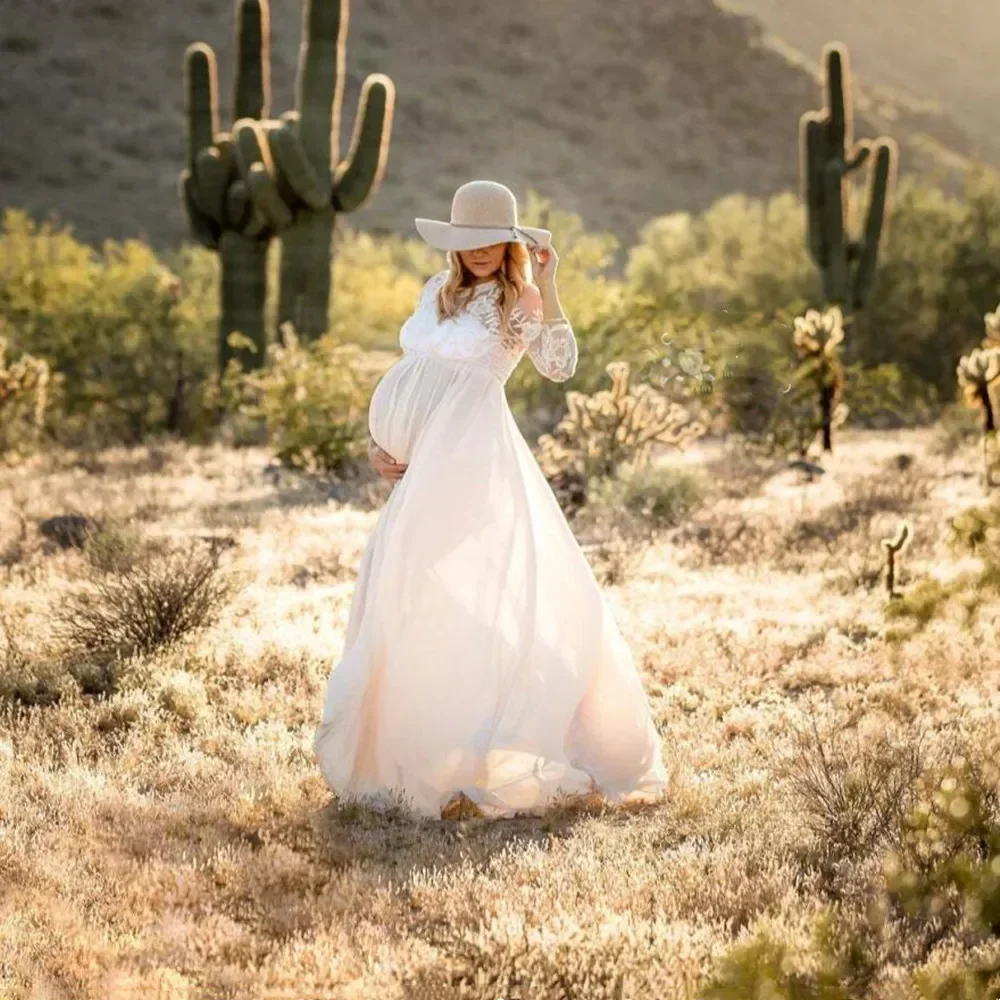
pixel 460 806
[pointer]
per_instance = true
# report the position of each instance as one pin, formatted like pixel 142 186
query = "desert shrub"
pixel 312 400
pixel 836 964
pixel 629 511
pixel 117 547
pixel 25 678
pixel 885 397
pixel 957 427
pixel 944 877
pixel 376 284
pixel 118 327
pixel 130 337
pixel 743 265
pixel 743 258
pixel 145 607
pixel 895 490
pixel 851 795
pixel 937 277
pixel 661 495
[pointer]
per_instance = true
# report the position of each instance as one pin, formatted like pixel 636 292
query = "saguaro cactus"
pixel 301 152
pixel 217 192
pixel 828 156
pixel 281 176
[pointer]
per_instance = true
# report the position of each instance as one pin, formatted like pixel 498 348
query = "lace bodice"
pixel 474 335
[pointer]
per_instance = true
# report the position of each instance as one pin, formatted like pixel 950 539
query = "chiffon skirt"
pixel 480 654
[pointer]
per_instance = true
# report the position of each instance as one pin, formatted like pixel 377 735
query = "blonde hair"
pixel 459 285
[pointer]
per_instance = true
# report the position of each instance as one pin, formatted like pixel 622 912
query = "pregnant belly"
pixel 405 399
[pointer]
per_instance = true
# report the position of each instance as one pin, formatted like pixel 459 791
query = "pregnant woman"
pixel 483 672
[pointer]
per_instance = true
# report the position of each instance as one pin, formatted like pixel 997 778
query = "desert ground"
pixel 164 831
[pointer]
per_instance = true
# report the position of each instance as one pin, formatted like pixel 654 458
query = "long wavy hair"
pixel 458 286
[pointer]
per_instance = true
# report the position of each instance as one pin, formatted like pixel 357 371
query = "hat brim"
pixel 445 236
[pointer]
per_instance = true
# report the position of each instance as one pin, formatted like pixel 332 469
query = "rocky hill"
pixel 617 112
pixel 942 53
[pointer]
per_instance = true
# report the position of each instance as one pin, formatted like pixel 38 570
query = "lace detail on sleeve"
pixel 551 343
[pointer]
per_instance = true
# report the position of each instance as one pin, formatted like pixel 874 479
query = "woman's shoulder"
pixel 431 287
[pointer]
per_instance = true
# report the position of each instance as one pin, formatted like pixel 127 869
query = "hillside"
pixel 618 114
pixel 907 45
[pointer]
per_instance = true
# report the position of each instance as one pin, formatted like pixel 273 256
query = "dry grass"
pixel 617 112
pixel 174 838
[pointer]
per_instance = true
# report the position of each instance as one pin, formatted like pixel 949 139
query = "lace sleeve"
pixel 551 343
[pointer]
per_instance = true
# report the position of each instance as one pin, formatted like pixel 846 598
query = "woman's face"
pixel 483 261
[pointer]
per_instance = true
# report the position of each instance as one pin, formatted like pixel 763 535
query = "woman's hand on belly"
pixel 383 463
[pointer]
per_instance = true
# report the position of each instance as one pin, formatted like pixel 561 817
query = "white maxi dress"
pixel 480 654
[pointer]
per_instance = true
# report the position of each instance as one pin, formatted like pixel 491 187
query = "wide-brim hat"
pixel 482 213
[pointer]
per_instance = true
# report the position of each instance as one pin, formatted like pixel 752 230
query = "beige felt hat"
pixel 482 213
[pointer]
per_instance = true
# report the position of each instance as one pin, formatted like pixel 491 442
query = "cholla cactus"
pixel 992 321
pixel 892 548
pixel 818 338
pixel 608 429
pixel 978 373
pixel 24 396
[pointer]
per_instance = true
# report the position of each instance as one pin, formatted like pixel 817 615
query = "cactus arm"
pixel 862 151
pixel 211 175
pixel 320 85
pixel 360 175
pixel 266 199
pixel 252 94
pixel 813 156
pixel 253 158
pixel 295 168
pixel 882 175
pixel 202 100
pixel 239 207
pixel 203 226
pixel 838 100
pixel 250 146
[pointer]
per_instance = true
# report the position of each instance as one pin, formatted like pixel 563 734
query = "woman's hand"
pixel 544 261
pixel 383 463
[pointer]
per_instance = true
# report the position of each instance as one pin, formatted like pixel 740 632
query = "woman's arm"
pixel 551 342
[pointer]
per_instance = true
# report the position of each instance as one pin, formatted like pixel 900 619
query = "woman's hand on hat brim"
pixel 544 261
